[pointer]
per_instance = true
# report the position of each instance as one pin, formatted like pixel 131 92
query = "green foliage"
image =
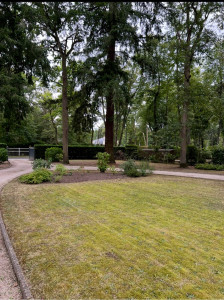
pixel 169 158
pixel 60 170
pixel 103 160
pixel 192 155
pixel 41 163
pixel 209 167
pixel 130 168
pixel 54 154
pixel 38 176
pixel 218 156
pixel 131 151
pixel 112 169
pixel 144 168
pixel 76 151
pixel 3 145
pixel 3 155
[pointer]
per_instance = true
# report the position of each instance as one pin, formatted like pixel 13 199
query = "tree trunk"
pixel 109 124
pixel 184 117
pixel 64 110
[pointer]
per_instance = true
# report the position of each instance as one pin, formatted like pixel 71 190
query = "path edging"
pixel 24 288
pixel 15 263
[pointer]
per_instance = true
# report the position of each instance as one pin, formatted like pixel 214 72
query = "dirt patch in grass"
pixel 5 165
pixel 80 176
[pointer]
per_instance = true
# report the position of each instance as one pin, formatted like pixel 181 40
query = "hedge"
pixel 74 152
pixel 218 156
pixel 3 145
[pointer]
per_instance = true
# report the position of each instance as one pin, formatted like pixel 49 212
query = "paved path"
pixel 8 285
pixel 9 288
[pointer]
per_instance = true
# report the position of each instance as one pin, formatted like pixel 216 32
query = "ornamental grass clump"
pixel 103 160
pixel 41 163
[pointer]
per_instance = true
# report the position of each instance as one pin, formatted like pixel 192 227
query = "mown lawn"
pixel 154 237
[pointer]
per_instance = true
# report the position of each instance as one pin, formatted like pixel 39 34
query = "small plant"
pixel 57 178
pixel 103 160
pixel 54 154
pixel 112 169
pixel 60 170
pixel 130 168
pixel 3 155
pixel 144 168
pixel 41 163
pixel 38 176
pixel 169 158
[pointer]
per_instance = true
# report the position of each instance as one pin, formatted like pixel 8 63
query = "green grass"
pixel 154 237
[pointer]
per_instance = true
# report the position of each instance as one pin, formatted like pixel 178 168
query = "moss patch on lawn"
pixel 153 237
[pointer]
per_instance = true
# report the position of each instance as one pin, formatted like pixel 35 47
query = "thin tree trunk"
pixel 109 124
pixel 147 136
pixel 65 110
pixel 184 117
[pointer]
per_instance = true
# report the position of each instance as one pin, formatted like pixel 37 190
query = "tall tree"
pixel 112 31
pixel 62 23
pixel 188 24
pixel 21 57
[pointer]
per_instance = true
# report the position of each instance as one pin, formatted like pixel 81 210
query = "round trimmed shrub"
pixel 54 154
pixel 3 155
pixel 38 176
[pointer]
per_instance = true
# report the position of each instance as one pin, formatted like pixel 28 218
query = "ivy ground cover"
pixel 153 237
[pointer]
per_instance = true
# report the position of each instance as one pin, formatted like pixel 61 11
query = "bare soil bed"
pixel 5 165
pixel 89 176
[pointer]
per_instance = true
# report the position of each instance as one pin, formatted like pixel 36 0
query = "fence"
pixel 21 153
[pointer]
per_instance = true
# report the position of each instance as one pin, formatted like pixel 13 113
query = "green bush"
pixel 144 168
pixel 54 154
pixel 131 151
pixel 169 158
pixel 38 176
pixel 3 145
pixel 103 160
pixel 60 170
pixel 218 156
pixel 3 155
pixel 209 167
pixel 192 155
pixel 130 168
pixel 41 163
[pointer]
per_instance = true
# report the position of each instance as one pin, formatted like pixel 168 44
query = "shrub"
pixel 3 145
pixel 3 155
pixel 130 168
pixel 38 176
pixel 169 158
pixel 54 154
pixel 209 167
pixel 218 156
pixel 41 163
pixel 60 170
pixel 144 168
pixel 192 155
pixel 103 159
pixel 131 151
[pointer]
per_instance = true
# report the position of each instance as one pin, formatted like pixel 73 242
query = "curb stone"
pixel 15 263
pixel 24 288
